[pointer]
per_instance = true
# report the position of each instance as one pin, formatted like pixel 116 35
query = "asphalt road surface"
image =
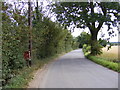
pixel 73 70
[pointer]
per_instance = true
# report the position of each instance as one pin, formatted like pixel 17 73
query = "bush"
pixel 86 49
pixel 96 48
pixel 83 38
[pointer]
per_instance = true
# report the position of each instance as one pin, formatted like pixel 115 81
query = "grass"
pixel 105 63
pixel 26 74
pixel 108 58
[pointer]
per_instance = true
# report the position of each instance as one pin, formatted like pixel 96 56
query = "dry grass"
pixel 111 54
pixel 108 59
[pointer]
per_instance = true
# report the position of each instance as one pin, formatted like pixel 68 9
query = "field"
pixel 111 54
pixel 108 59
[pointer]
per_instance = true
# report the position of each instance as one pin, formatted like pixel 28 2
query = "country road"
pixel 73 70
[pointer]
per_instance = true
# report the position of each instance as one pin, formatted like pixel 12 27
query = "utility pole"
pixel 37 12
pixel 30 28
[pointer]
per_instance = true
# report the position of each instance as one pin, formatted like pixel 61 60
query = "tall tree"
pixel 92 15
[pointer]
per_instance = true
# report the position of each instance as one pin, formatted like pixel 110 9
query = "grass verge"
pixel 26 74
pixel 105 63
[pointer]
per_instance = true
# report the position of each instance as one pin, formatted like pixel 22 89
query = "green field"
pixel 111 54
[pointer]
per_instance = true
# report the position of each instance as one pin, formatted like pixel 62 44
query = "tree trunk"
pixel 94 35
pixel 93 41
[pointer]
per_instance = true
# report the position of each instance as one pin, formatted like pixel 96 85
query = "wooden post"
pixel 30 26
pixel 37 12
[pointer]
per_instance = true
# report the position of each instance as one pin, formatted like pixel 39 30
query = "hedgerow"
pixel 48 39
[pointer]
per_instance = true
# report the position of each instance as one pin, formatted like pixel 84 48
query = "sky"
pixel 78 31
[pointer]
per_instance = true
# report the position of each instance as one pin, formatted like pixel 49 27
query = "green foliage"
pixel 48 39
pixel 96 48
pixel 84 38
pixel 82 14
pixel 75 43
pixel 52 39
pixel 103 42
pixel 14 42
pixel 89 46
pixel 26 74
pixel 86 49
pixel 105 63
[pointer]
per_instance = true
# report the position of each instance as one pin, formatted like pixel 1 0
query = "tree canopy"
pixel 84 38
pixel 91 15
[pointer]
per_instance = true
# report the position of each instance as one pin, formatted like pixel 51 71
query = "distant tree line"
pixel 115 43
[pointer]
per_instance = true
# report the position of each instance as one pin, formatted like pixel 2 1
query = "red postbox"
pixel 26 55
pixel 27 58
